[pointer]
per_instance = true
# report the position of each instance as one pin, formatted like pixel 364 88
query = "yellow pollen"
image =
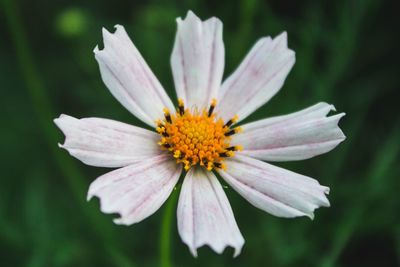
pixel 197 137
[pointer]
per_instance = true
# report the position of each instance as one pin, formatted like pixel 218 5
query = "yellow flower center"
pixel 197 137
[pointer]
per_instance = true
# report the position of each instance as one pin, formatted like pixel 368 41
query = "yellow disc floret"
pixel 197 137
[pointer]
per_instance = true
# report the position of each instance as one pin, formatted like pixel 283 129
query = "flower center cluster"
pixel 197 137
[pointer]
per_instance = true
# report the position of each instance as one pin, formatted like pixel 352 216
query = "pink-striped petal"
pixel 204 214
pixel 296 136
pixel 275 190
pixel 197 60
pixel 129 78
pixel 107 143
pixel 258 78
pixel 137 191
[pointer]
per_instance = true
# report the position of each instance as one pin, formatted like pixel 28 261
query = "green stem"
pixel 165 238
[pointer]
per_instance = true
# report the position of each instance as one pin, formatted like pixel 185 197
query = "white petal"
pixel 204 214
pixel 129 78
pixel 197 60
pixel 275 190
pixel 138 190
pixel 258 78
pixel 296 136
pixel 107 143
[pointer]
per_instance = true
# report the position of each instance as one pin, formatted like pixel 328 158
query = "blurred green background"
pixel 347 54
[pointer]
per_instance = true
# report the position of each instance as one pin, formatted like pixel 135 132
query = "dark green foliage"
pixel 347 54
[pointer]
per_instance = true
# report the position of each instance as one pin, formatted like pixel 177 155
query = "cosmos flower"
pixel 200 138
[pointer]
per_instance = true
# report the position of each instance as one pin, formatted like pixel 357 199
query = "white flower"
pixel 199 138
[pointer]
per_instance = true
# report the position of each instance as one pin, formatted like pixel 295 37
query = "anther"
pixel 231 121
pixel 228 123
pixel 159 123
pixel 235 148
pixel 212 106
pixel 181 107
pixel 160 129
pixel 167 115
pixel 219 165
pixel 209 166
pixel 226 154
pixel 166 145
pixel 233 131
pixel 177 154
pixel 187 164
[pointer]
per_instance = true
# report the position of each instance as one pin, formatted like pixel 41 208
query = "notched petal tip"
pixel 193 251
pixel 324 204
pixel 326 190
pixel 190 19
pixel 282 39
pixel 216 21
pixel 105 32
pixel 120 31
pixel 179 21
pixel 332 108
pixel 119 27
pixel 63 120
pixel 237 252
pixel 200 193
pixel 283 35
pixel 218 250
pixel 121 221
pixel 58 120
pixel 191 15
pixel 264 39
pixel 339 116
pixel 107 35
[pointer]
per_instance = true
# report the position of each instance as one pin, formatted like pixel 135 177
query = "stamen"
pixel 212 106
pixel 160 129
pixel 159 123
pixel 181 106
pixel 167 115
pixel 177 154
pixel 197 136
pixel 226 154
pixel 209 166
pixel 166 145
pixel 220 165
pixel 232 121
pixel 235 148
pixel 204 162
pixel 187 164
pixel 233 131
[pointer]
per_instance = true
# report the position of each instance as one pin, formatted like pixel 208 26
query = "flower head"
pixel 200 136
